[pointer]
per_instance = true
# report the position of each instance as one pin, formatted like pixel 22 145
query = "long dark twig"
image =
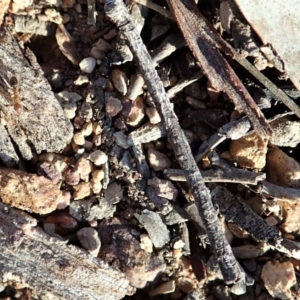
pixel 231 270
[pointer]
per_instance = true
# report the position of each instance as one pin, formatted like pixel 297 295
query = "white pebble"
pixel 98 157
pixel 238 289
pixel 88 64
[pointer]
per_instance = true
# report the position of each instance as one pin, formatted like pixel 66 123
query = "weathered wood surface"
pixel 29 112
pixel 51 268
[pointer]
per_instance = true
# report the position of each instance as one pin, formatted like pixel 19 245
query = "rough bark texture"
pixel 232 272
pixel 53 269
pixel 29 110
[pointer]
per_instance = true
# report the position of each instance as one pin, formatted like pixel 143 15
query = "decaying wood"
pixel 232 175
pixel 278 192
pixel 231 270
pixel 50 267
pixel 29 110
pixel 235 210
pixel 201 40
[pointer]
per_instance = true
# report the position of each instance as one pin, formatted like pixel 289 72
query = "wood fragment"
pixel 91 12
pixel 201 41
pixel 235 210
pixel 278 192
pixel 49 266
pixel 67 45
pixel 232 175
pixel 29 110
pixel 231 270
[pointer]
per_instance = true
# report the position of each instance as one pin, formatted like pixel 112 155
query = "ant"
pixel 14 91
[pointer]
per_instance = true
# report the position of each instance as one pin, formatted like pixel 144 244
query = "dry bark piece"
pixel 90 278
pixel 156 229
pixel 202 41
pixel 235 210
pixel 278 278
pixel 282 169
pixel 66 45
pixel 24 95
pixel 232 271
pixel 28 191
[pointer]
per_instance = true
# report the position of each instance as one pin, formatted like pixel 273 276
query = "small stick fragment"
pixel 200 38
pixel 279 192
pixel 231 270
pixel 91 13
pixel 235 210
pixel 183 83
pixel 155 7
pixel 231 175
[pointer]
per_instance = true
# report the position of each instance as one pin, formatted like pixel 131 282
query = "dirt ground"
pixel 88 160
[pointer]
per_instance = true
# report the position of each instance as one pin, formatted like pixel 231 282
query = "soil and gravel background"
pixel 114 188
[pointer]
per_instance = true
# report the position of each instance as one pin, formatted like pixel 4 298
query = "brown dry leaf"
pixel 66 45
pixel 277 23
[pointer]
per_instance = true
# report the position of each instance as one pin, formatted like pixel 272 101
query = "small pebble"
pixel 86 111
pixel 82 190
pixel 98 157
pixel 164 188
pixel 71 176
pixel 47 170
pixel 68 102
pixel 97 54
pixel 87 65
pixel 146 243
pixel 89 240
pixel 64 200
pixel 98 175
pixel 87 129
pixel 84 168
pixel 78 138
pixel 113 106
pixel 103 46
pixel 158 160
pixel 238 289
pixel 121 140
pixel 120 81
pixel 97 128
pixel 96 187
pixel 153 115
pixel 82 79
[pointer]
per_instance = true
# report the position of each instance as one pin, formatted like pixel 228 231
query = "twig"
pixel 232 272
pixel 155 7
pixel 91 12
pixel 278 192
pixel 232 175
pixel 279 94
pixel 184 83
pixel 200 38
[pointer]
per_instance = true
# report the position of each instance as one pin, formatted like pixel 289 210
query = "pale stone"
pixel 84 168
pixel 87 129
pixel 98 175
pixel 249 151
pixel 120 81
pixel 98 157
pixel 78 138
pixel 87 65
pixel 68 102
pixel 82 190
pixel 158 161
pixel 291 222
pixel 153 115
pixel 136 114
pixel 81 79
pixel 282 169
pixel 278 278
pixel 146 243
